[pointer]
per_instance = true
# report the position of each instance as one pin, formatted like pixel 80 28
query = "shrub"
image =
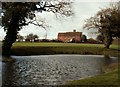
pixel 92 41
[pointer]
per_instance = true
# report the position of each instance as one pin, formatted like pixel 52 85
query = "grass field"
pixel 109 79
pixel 51 44
pixel 28 48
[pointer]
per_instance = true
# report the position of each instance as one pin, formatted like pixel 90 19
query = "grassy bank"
pixel 23 48
pixel 108 79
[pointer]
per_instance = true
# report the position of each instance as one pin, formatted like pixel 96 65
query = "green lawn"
pixel 51 44
pixel 108 79
pixel 28 48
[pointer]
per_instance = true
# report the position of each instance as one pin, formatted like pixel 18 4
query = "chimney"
pixel 74 30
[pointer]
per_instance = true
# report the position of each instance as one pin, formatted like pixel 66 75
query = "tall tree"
pixel 19 14
pixel 107 21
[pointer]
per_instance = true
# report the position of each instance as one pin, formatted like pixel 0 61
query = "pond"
pixel 52 69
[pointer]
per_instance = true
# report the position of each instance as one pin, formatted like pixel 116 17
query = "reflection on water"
pixel 108 60
pixel 52 69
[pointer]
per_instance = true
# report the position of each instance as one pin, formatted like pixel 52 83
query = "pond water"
pixel 52 69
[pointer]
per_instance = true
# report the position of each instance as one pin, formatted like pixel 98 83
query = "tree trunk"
pixel 108 39
pixel 11 35
pixel 7 43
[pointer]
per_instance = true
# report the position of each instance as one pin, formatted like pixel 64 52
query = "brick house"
pixel 70 36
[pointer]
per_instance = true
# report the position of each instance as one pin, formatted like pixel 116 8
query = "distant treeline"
pixel 35 38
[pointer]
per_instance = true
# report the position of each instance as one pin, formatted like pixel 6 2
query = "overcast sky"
pixel 82 10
